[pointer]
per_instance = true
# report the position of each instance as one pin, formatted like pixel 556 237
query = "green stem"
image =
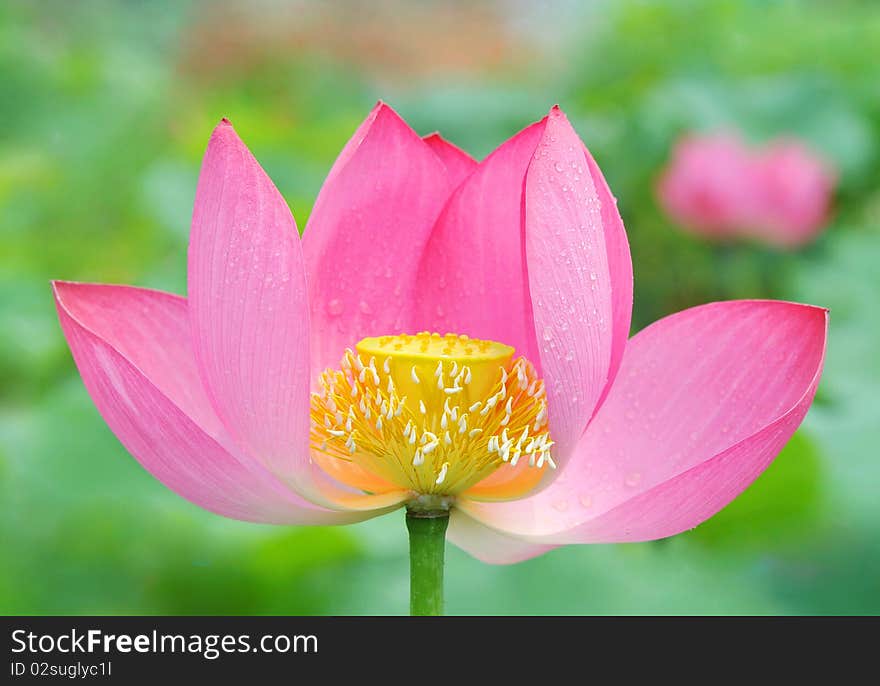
pixel 427 546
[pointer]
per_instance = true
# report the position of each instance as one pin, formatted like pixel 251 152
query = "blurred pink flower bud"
pixel 793 188
pixel 718 187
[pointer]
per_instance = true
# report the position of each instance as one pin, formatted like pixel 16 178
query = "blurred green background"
pixel 105 110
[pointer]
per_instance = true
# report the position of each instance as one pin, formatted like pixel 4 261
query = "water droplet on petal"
pixel 335 307
pixel 364 307
pixel 632 480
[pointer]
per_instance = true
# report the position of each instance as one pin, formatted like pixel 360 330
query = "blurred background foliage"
pixel 106 108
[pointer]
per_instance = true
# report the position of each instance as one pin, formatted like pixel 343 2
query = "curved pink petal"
pixel 703 401
pixel 619 269
pixel 569 280
pixel 458 163
pixel 489 545
pixel 248 309
pixel 151 330
pixel 472 276
pixel 366 233
pixel 132 349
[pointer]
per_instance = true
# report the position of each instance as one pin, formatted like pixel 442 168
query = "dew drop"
pixel 365 308
pixel 335 307
pixel 558 166
pixel 585 501
pixel 560 505
pixel 547 335
pixel 632 480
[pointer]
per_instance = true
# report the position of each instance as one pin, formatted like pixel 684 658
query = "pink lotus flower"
pixel 236 399
pixel 718 187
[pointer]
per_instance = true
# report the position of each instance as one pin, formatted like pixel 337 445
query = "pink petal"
pixel 366 234
pixel 619 269
pixel 151 330
pixel 472 276
pixel 132 349
pixel 703 401
pixel 248 309
pixel 569 280
pixel 458 163
pixel 489 545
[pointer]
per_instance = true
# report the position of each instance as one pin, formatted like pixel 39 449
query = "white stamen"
pixel 413 375
pixel 442 475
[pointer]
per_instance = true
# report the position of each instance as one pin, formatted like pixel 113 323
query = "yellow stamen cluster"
pixel 433 414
